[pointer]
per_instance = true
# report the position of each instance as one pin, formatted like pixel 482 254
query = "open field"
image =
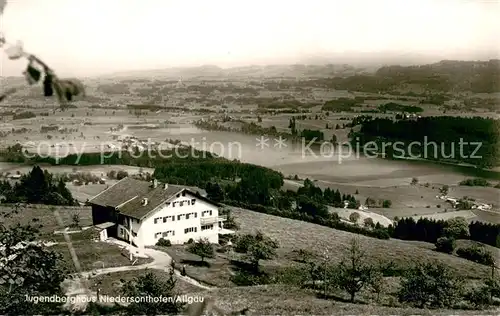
pixel 473 215
pixel 344 213
pixel 294 235
pixel 467 214
pixel 86 192
pixel 373 172
pixel 45 216
pixel 414 200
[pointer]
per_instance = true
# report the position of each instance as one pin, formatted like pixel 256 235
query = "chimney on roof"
pixel 155 183
pixel 165 186
pixel 144 201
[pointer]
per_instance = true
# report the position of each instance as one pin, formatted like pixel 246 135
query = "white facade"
pixel 178 220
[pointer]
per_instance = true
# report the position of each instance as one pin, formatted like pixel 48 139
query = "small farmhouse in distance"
pixel 150 211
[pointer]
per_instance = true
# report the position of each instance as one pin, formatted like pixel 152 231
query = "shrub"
pixel 354 217
pixel 291 275
pixel 121 174
pixel 387 204
pixel 242 243
pixel 493 285
pixel 445 244
pixel 190 241
pixel 368 222
pixel 230 222
pixel 477 254
pixel 162 242
pixel 479 298
pixel 202 248
pixel 475 182
pixel 482 296
pixel 304 255
pixel 457 227
pixel 354 272
pixel 23 115
pixel 245 278
pixel 430 285
pixel 381 233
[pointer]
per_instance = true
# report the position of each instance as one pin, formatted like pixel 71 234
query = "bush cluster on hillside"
pixel 477 254
pixel 445 244
pixel 479 182
pixel 23 115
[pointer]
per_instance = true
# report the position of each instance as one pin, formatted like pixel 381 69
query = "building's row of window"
pixel 171 218
pixel 168 233
pixel 190 230
pixel 207 227
pixel 182 203
pixel 171 233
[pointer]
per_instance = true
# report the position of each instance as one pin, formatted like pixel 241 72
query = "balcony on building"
pixel 213 219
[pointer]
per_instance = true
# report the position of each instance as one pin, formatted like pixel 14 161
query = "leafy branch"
pixel 64 89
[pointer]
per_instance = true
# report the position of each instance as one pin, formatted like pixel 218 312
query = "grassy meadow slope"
pixel 294 235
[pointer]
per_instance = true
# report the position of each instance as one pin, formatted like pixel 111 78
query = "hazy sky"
pixel 97 36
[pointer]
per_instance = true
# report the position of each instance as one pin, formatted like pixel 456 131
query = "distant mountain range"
pixel 445 75
pixel 214 72
pixel 325 65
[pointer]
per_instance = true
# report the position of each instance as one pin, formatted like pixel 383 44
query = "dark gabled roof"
pixel 155 197
pixel 121 192
pixel 127 196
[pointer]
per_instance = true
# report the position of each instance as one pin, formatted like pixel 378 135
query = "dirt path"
pixel 77 289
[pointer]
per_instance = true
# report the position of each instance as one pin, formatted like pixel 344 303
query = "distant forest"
pixel 445 76
pixel 479 136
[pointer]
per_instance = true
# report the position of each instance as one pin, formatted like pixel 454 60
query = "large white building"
pixel 153 210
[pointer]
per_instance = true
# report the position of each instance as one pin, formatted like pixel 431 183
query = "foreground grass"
pixel 289 300
pixel 110 284
pixel 95 255
pixel 217 272
pixel 293 235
